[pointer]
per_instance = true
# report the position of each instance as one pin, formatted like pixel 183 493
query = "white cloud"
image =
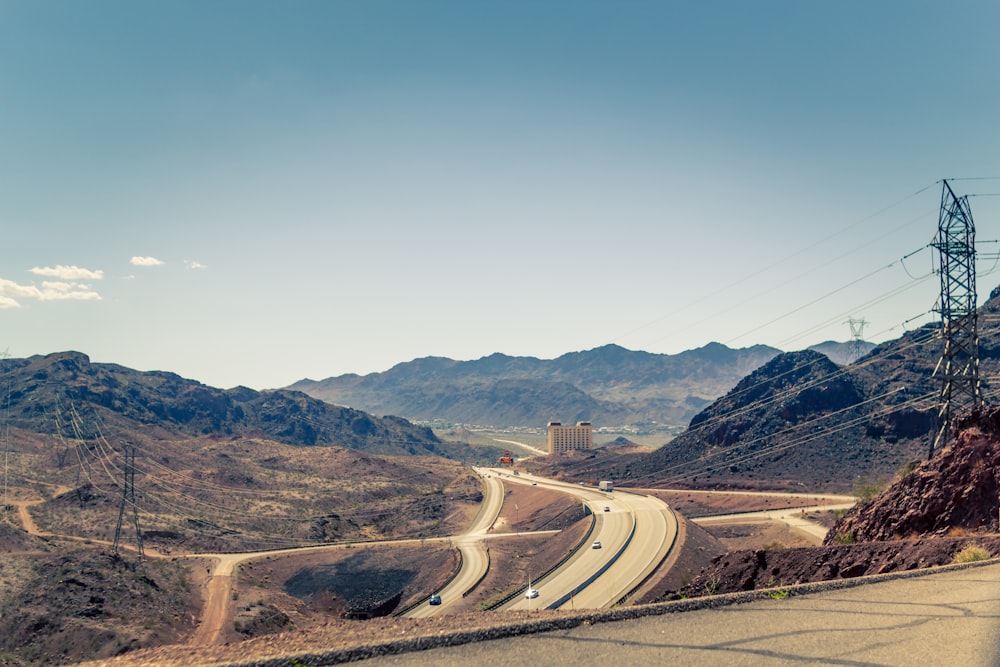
pixel 145 261
pixel 191 264
pixel 10 291
pixel 67 272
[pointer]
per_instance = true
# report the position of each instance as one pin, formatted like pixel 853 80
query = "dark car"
pixel 435 599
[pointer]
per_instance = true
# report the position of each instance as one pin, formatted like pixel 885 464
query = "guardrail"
pixel 666 554
pixel 562 561
pixel 604 568
pixel 478 581
pixel 410 607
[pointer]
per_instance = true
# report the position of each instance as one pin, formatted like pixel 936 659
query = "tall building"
pixel 564 438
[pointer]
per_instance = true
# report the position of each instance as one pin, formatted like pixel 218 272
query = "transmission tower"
pixel 958 367
pixel 857 337
pixel 128 497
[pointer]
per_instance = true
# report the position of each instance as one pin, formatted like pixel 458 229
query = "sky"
pixel 252 193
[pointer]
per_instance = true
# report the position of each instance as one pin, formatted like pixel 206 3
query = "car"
pixel 596 544
pixel 531 593
pixel 534 483
pixel 607 509
pixel 434 599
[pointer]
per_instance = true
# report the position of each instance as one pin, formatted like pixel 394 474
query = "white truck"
pixel 605 485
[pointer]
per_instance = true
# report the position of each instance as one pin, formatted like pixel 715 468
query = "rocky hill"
pixel 843 354
pixel 801 422
pixel 46 391
pixel 609 385
pixel 956 490
pixel 945 510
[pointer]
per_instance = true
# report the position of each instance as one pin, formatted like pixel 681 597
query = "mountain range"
pixel 802 422
pixel 609 386
pixel 65 393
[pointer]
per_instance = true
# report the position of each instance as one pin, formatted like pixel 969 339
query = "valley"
pixel 275 519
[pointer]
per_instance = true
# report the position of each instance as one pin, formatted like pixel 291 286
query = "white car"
pixel 596 544
pixel 531 593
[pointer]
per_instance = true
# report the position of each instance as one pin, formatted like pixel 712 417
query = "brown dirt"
pixel 697 548
pixel 530 508
pixel 757 535
pixel 513 560
pixel 768 568
pixel 692 503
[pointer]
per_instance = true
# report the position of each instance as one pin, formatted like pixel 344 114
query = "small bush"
pixel 844 538
pixel 867 489
pixel 712 585
pixel 970 554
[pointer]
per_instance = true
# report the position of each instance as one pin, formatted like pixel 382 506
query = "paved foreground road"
pixel 950 618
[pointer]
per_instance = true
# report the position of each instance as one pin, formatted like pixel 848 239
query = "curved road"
pixel 475 558
pixel 635 532
pixel 944 618
pixel 794 517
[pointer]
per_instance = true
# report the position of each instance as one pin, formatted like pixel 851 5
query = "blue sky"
pixel 256 192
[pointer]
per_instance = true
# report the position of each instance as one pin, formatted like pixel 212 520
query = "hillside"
pixel 609 385
pixel 945 510
pixel 213 472
pixel 66 394
pixel 957 490
pixel 801 422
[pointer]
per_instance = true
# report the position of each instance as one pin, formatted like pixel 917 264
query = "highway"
pixel 635 535
pixel 939 618
pixel 475 559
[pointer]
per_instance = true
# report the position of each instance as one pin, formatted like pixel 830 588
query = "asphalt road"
pixel 949 618
pixel 635 533
pixel 475 559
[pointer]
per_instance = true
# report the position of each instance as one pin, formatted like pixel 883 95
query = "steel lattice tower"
pixel 128 497
pixel 857 338
pixel 958 367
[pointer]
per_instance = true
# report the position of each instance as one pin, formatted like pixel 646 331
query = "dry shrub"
pixel 971 553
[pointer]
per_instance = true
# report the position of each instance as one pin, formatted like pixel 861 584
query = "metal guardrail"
pixel 457 571
pixel 410 607
pixel 562 561
pixel 478 581
pixel 604 568
pixel 653 571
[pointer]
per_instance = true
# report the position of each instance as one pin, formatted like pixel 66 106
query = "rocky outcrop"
pixel 956 490
pixel 754 569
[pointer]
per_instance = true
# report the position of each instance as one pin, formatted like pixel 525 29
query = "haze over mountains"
pixel 45 390
pixel 802 422
pixel 609 385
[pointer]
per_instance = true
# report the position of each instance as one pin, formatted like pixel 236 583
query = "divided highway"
pixel 635 533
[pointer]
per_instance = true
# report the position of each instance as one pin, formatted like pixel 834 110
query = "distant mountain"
pixel 608 385
pixel 802 422
pixel 66 393
pixel 843 353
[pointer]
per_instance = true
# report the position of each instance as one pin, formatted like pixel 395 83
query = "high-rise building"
pixel 566 438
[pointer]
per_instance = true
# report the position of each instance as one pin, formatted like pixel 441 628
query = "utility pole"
pixel 958 367
pixel 128 496
pixel 857 337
